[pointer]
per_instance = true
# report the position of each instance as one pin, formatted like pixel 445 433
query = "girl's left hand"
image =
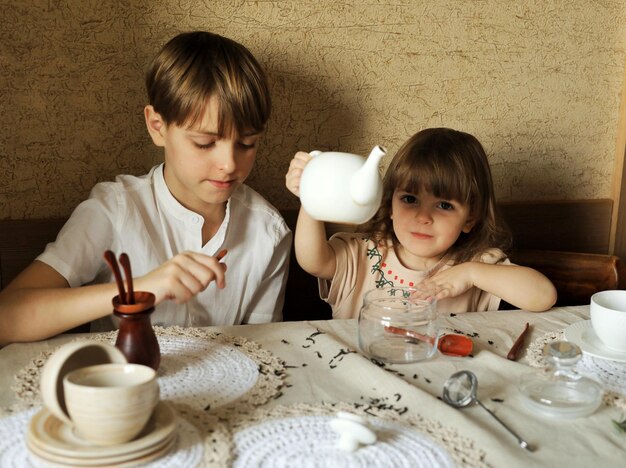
pixel 451 282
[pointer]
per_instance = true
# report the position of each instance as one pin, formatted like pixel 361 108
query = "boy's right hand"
pixel 183 276
pixel 294 174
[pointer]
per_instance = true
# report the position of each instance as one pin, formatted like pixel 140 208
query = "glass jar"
pixel 559 390
pixel 398 325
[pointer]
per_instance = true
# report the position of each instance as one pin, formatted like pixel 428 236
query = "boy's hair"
pixel 194 66
pixel 452 165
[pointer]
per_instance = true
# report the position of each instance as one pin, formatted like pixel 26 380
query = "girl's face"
pixel 426 226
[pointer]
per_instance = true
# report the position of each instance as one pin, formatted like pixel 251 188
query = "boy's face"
pixel 427 226
pixel 202 168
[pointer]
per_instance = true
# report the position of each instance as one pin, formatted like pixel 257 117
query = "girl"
pixel 437 227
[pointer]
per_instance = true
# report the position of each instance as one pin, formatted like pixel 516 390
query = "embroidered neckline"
pixel 386 276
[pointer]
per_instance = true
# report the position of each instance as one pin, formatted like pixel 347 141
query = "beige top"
pixel 362 266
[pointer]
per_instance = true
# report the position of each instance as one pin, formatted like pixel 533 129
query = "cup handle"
pixel 52 403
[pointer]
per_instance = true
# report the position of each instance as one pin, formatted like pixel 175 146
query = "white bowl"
pixel 608 318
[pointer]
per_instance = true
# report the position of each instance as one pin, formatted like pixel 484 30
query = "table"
pixel 322 367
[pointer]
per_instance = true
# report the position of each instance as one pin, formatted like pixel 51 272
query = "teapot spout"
pixel 365 185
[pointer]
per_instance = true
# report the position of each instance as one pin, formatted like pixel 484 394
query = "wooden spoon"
pixel 125 261
pixel 112 261
pixel 519 343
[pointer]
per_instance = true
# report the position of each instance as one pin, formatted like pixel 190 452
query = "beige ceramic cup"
pixel 110 404
pixel 608 318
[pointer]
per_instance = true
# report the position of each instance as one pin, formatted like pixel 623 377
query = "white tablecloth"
pixel 323 367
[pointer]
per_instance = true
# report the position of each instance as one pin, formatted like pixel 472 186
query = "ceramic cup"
pixel 110 404
pixel 398 325
pixel 608 318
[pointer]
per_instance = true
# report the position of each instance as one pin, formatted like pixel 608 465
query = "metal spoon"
pixel 460 391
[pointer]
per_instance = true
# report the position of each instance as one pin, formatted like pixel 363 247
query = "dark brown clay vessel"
pixel 135 337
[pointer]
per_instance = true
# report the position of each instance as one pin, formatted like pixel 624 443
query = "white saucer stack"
pixel 53 441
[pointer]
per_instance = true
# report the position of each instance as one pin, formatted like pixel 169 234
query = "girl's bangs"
pixel 440 177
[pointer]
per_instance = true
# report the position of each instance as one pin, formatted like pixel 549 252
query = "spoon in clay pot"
pixel 109 257
pixel 125 262
pixel 450 345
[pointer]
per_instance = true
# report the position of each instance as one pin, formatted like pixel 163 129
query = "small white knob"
pixel 353 431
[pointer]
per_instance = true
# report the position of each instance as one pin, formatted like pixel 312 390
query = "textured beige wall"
pixel 537 82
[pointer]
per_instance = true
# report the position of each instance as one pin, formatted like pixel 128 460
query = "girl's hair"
pixel 452 165
pixel 194 66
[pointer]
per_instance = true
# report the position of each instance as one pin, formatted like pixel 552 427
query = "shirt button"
pixel 195 219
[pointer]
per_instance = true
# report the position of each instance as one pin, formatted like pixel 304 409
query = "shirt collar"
pixel 173 207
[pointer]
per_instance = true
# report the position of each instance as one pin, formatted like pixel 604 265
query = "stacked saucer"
pixel 52 441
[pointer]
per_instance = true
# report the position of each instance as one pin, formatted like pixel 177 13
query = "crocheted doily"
pixel 300 436
pixel 611 374
pixel 208 371
pixel 296 435
pixel 186 451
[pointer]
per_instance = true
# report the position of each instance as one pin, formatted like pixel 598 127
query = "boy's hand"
pixel 451 282
pixel 183 276
pixel 294 174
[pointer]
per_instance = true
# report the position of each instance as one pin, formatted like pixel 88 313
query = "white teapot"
pixel 342 187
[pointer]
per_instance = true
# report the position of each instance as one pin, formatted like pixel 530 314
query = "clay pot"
pixel 135 337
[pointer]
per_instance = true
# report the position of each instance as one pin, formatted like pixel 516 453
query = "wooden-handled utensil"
pixel 519 343
pixel 125 261
pixel 112 262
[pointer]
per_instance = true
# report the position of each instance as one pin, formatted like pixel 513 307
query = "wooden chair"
pixel 576 276
pixel 20 243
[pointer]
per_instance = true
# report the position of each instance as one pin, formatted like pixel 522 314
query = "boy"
pixel 208 106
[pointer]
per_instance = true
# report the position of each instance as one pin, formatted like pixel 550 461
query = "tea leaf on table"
pixel 620 426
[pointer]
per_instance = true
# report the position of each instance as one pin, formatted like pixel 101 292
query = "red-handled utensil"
pixel 450 345
pixel 455 345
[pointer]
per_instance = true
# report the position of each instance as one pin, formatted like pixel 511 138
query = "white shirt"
pixel 139 216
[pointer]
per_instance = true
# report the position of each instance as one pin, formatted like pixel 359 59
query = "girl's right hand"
pixel 294 174
pixel 183 276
